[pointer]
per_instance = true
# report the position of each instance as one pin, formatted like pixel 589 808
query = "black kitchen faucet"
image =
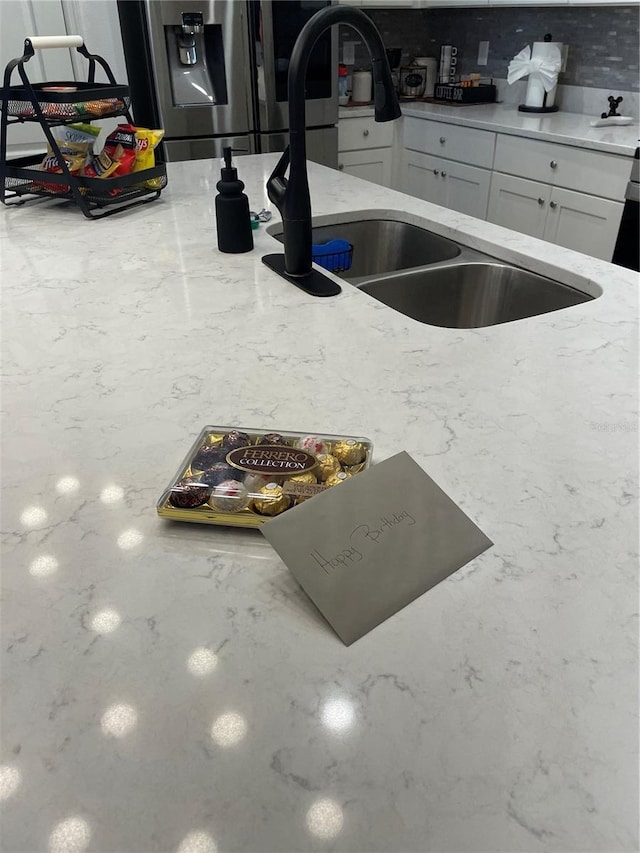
pixel 291 196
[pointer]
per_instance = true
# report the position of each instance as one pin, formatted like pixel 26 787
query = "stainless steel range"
pixel 214 73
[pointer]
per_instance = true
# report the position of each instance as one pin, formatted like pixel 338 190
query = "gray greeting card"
pixel 364 549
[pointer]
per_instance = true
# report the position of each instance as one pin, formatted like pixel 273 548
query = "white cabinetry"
pixel 466 144
pixel 519 204
pixel 365 149
pixel 448 165
pixel 561 193
pixel 448 183
pixel 581 169
pixel 19 19
pixel 569 196
pixel 575 220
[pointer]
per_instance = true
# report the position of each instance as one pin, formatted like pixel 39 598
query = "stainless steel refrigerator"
pixel 214 73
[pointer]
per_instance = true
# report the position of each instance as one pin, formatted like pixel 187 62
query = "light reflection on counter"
pixel 70 836
pixel 325 819
pixel 197 842
pixel 339 715
pixel 202 662
pixel 111 494
pixel 105 621
pixel 10 779
pixel 129 539
pixel 229 729
pixel 33 516
pixel 67 485
pixel 118 720
pixel 43 566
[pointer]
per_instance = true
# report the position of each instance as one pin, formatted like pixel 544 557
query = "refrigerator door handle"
pixel 265 67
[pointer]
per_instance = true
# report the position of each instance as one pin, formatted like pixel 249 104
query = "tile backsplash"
pixel 603 41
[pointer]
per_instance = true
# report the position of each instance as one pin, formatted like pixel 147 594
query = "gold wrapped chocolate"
pixel 273 477
pixel 213 439
pixel 306 477
pixel 349 451
pixel 272 500
pixel 327 466
pixel 335 479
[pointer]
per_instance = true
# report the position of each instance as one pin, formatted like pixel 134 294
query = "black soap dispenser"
pixel 233 219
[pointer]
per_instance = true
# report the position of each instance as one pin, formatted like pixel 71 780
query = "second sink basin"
pixel 384 245
pixel 472 295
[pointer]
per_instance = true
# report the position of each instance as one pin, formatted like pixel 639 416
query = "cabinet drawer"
pixel 357 133
pixel 371 164
pixel 466 144
pixel 594 172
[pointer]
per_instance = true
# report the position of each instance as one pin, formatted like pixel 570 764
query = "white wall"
pixel 97 22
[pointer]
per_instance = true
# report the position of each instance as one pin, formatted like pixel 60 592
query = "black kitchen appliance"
pixel 627 250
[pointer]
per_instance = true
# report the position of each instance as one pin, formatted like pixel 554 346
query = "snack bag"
pixel 101 165
pixel 116 158
pixel 99 107
pixel 120 145
pixel 75 142
pixel 146 143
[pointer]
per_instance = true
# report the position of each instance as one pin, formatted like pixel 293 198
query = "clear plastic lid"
pixel 242 476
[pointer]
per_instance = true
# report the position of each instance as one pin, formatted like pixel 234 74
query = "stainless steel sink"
pixel 383 245
pixel 471 295
pixel 436 280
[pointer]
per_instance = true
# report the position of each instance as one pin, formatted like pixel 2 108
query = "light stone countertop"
pixel 562 127
pixel 169 687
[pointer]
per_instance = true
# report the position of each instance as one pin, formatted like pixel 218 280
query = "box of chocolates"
pixel 243 477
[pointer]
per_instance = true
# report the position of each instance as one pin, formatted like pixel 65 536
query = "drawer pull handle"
pixel 540 201
pixel 365 133
pixel 436 172
pixel 341 166
pixel 553 205
pixel 553 164
pixel 443 139
pixel 444 174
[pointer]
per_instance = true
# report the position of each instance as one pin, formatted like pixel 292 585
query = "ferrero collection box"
pixel 242 477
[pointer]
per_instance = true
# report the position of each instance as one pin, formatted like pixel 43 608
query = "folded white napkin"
pixel 545 69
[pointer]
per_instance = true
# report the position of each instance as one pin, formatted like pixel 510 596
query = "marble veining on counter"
pixel 562 127
pixel 168 687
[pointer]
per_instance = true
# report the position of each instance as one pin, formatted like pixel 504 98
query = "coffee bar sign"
pixel 365 549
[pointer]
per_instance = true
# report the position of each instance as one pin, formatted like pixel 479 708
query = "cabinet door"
pixel 583 222
pixel 466 188
pixel 18 19
pixel 421 177
pixel 518 204
pixel 99 24
pixel 372 164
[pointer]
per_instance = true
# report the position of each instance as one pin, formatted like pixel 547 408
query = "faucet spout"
pixel 291 196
